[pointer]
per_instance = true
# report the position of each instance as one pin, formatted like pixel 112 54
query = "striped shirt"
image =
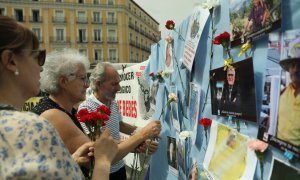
pixel 92 103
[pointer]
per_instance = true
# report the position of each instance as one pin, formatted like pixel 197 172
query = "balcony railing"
pixel 112 40
pixel 131 25
pixel 97 21
pixel 131 42
pixel 81 40
pixel 59 19
pixel 111 21
pixel 113 59
pixel 136 28
pixel 19 18
pixel 59 39
pixel 35 19
pixel 81 20
pixel 138 45
pixel 97 40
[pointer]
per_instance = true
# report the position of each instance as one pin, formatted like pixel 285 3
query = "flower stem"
pixel 183 88
pixel 228 52
pixel 238 126
pixel 162 111
pixel 92 164
pixel 145 158
pixel 179 34
pixel 211 54
pixel 261 163
pixel 205 99
pixel 206 136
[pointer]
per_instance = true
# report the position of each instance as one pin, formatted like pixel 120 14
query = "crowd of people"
pixel 50 143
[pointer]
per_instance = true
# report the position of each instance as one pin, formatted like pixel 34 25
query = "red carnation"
pixel 103 109
pixel 82 112
pixel 217 40
pixel 151 74
pixel 206 122
pixel 170 25
pixel 225 36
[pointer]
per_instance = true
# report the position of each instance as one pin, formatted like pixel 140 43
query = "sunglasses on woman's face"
pixel 41 56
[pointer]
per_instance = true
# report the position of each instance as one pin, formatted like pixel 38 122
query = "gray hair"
pixel 98 74
pixel 61 63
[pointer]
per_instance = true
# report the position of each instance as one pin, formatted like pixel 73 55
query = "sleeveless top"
pixel 45 104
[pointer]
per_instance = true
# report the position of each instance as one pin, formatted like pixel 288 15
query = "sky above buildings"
pixel 163 10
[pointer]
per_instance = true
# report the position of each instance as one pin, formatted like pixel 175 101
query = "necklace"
pixel 7 107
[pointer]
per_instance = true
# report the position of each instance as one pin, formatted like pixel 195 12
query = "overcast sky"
pixel 163 10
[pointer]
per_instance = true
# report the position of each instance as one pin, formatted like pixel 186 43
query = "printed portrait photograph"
pixel 153 93
pixel 181 158
pixel 172 152
pixel 251 19
pixel 233 91
pixel 280 170
pixel 280 113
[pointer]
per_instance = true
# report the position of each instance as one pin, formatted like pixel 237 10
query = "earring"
pixel 16 72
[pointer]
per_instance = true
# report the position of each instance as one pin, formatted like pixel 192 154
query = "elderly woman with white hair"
pixel 64 78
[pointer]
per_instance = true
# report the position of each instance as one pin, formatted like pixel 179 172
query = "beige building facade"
pixel 116 31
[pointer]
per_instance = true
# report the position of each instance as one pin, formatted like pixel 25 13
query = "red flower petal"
pixel 170 25
pixel 205 122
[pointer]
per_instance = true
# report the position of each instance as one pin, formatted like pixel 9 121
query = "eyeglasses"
pixel 230 75
pixel 84 79
pixel 41 56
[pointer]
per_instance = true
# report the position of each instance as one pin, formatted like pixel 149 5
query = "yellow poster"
pixel 227 155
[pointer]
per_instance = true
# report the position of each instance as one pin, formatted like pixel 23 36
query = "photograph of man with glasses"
pixel 233 90
pixel 231 95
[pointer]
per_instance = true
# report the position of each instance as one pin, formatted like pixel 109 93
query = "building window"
pixel 98 55
pixel 110 2
pixel 96 1
pixel 112 35
pixel 83 51
pixel 81 16
pixel 59 16
pixel 58 1
pixel 2 11
pixel 37 32
pixel 111 17
pixel 96 17
pixel 97 35
pixel 82 35
pixel 112 55
pixel 80 1
pixel 35 16
pixel 131 57
pixel 19 15
pixel 59 35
